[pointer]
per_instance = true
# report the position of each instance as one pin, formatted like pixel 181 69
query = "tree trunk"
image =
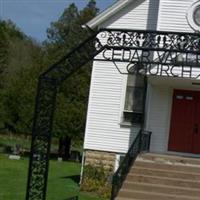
pixel 64 147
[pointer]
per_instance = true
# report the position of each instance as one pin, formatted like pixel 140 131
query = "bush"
pixel 97 179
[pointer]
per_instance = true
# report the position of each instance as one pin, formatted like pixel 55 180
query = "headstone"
pixel 75 156
pixel 60 159
pixel 17 149
pixel 14 157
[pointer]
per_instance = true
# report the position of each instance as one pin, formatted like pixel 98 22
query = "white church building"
pixel 172 103
pixel 172 93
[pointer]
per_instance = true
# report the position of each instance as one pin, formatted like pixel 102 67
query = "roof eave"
pixel 99 19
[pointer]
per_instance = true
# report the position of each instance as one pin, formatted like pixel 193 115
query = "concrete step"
pixel 134 194
pixel 165 189
pixel 163 181
pixel 170 159
pixel 121 198
pixel 167 166
pixel 165 173
pixel 162 177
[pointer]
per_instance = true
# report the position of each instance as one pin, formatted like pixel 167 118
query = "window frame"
pixel 136 115
pixel 118 158
pixel 190 16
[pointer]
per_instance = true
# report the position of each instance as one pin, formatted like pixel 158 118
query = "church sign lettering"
pixel 155 62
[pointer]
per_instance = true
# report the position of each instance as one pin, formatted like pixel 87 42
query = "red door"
pixel 185 122
pixel 196 130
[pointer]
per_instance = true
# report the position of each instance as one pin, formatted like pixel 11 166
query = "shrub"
pixel 97 179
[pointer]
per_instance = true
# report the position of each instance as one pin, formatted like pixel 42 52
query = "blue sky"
pixel 34 16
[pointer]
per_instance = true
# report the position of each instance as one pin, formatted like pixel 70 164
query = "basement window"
pixel 134 100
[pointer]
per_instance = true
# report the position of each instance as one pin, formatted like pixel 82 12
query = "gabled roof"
pixel 109 12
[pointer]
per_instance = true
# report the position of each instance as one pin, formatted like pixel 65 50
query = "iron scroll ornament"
pixel 48 85
pixel 155 53
pixel 150 40
pixel 144 42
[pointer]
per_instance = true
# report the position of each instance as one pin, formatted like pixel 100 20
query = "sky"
pixel 33 17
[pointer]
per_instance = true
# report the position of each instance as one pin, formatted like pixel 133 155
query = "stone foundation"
pixel 99 158
pixel 97 174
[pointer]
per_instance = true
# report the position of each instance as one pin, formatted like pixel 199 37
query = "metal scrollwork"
pixel 44 112
pixel 135 68
pixel 151 49
pixel 151 39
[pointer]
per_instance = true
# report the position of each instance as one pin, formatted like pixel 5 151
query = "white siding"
pixel 106 102
pixel 159 111
pixel 141 14
pixel 103 130
pixel 172 15
pixel 159 106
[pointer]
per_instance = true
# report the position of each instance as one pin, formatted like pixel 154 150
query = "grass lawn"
pixel 61 185
pixel 25 142
pixel 22 140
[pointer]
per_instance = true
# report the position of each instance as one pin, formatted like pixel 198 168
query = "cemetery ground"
pixel 62 182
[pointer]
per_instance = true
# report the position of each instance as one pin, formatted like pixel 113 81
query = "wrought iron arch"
pixel 134 47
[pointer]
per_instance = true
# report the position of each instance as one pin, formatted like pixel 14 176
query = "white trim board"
pixel 109 12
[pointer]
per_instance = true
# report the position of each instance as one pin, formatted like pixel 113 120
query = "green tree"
pixel 7 30
pixel 22 64
pixel 63 36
